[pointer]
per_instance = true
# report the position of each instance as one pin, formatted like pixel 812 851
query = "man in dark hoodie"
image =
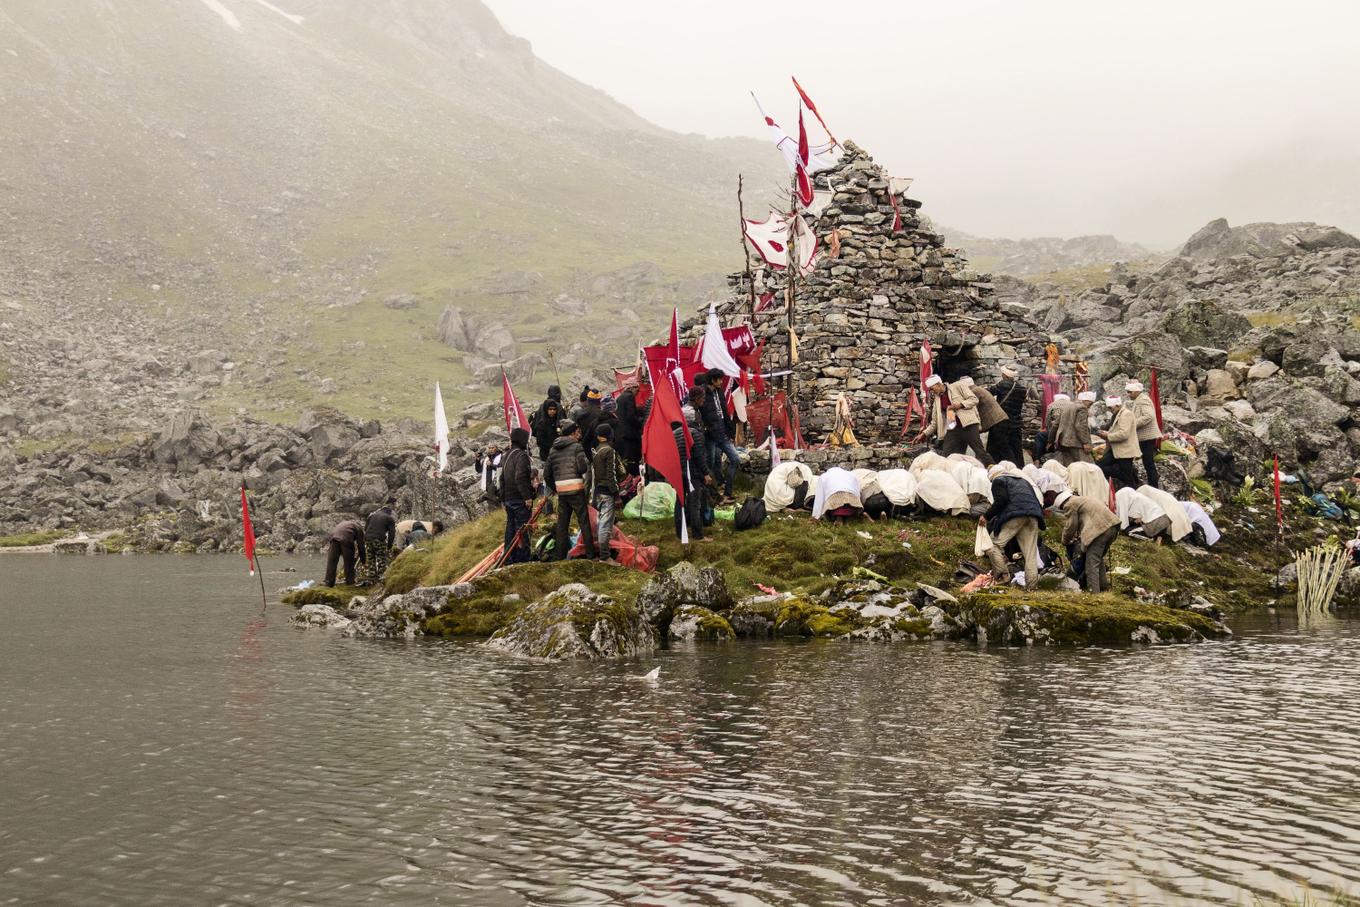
pixel 590 417
pixel 345 541
pixel 546 419
pixel 695 473
pixel 717 443
pixel 567 474
pixel 1015 514
pixel 517 490
pixel 380 532
pixel 628 429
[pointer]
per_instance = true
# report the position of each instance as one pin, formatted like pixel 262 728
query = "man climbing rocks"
pixel 1004 442
pixel 1149 435
pixel 954 419
pixel 567 475
pixel 1089 532
pixel 380 532
pixel 517 491
pixel 345 541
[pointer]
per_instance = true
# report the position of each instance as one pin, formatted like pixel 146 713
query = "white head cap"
pixel 1114 402
pixel 1057 397
pixel 1062 499
pixel 934 380
pixel 1008 372
pixel 1134 387
pixel 1087 396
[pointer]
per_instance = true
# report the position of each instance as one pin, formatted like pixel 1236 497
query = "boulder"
pixel 1203 358
pixel 691 622
pixel 1310 356
pixel 469 332
pixel 1219 383
pixel 402 616
pixel 323 616
pixel 755 616
pixel 1134 355
pixel 573 622
pixel 1197 323
pixel 1261 370
pixel 1013 618
pixel 683 584
pixel 188 440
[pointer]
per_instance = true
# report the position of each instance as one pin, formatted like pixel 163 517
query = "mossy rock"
pixel 692 622
pixel 803 617
pixel 755 617
pixel 335 596
pixel 574 622
pixel 407 570
pixel 1015 617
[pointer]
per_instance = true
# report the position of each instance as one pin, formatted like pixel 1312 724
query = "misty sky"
pixel 1143 119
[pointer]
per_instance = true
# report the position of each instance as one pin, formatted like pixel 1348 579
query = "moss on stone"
pixel 1067 618
pixel 803 617
pixel 27 539
pixel 335 596
pixel 406 572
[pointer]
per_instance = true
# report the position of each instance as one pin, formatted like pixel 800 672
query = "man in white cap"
pixel 1122 445
pixel 1046 441
pixel 1004 441
pixel 1089 532
pixel 954 419
pixel 1073 437
pixel 1149 435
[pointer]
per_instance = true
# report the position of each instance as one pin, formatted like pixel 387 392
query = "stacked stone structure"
pixel 860 317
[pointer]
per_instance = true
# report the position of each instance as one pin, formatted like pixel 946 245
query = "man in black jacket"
pixel 517 490
pixel 1015 514
pixel 345 541
pixel 590 417
pixel 1004 441
pixel 546 419
pixel 628 429
pixel 713 411
pixel 606 467
pixel 694 468
pixel 567 475
pixel 380 532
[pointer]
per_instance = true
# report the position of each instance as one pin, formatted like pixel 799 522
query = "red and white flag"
pixel 770 239
pixel 514 412
pixel 813 158
pixel 774 448
pixel 927 367
pixel 247 530
pixel 804 181
pixel 807 101
pixel 897 211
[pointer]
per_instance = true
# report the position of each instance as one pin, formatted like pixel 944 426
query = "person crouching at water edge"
pixel 1089 532
pixel 346 542
pixel 567 474
pixel 1015 514
pixel 380 533
pixel 517 491
pixel 954 419
pixel 608 471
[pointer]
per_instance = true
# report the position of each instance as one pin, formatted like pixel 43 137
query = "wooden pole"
pixel 746 252
pixel 553 360
pixel 259 571
pixel 792 271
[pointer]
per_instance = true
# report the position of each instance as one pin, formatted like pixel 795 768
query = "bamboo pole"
pixel 746 252
pixel 1319 573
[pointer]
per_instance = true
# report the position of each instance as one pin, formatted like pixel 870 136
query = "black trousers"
pixel 694 514
pixel 1121 471
pixel 567 505
pixel 965 437
pixel 1003 443
pixel 334 553
pixel 1149 449
pixel 516 516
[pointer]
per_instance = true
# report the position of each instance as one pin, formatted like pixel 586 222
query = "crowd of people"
pixel 589 462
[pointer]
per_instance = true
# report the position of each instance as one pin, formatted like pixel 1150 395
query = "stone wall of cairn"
pixel 861 316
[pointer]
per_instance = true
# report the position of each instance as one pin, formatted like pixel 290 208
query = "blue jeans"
pixel 604 508
pixel 516 515
pixel 717 447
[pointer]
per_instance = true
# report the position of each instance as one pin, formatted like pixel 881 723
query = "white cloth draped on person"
pixel 831 484
pixel 898 485
pixel 1200 517
pixel 1088 481
pixel 782 483
pixel 1180 520
pixel 938 489
pixel 1130 505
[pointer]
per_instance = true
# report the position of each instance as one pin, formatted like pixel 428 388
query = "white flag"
pixel 441 431
pixel 715 352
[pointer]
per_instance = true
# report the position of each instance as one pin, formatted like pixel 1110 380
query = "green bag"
pixel 654 502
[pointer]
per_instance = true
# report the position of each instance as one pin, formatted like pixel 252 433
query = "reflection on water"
pixel 165 743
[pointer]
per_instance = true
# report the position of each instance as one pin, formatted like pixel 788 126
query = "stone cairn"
pixel 861 316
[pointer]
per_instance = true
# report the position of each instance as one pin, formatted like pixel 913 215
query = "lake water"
pixel 162 742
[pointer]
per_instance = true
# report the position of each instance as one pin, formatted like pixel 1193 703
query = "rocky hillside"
pixel 304 188
pixel 1254 329
pixel 1046 255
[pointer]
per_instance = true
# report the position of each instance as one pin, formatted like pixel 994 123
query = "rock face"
pixel 403 616
pixel 323 616
pixel 472 333
pixel 681 586
pixel 574 622
pixel 1014 619
pixel 863 314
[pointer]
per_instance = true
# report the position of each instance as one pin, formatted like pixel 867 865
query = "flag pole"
pixel 746 252
pixel 792 270
pixel 553 359
pixel 254 555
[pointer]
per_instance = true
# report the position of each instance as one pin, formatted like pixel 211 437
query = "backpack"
pixel 750 515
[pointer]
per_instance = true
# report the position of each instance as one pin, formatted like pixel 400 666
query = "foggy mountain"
pixel 305 186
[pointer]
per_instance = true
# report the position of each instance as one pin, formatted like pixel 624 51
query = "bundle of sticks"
pixel 1319 569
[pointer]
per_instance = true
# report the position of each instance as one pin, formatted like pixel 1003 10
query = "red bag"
pixel 625 549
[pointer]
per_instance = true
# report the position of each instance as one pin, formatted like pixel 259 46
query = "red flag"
pixel 247 530
pixel 675 334
pixel 914 407
pixel 813 107
pixel 658 441
pixel 897 212
pixel 804 181
pixel 514 413
pixel 1114 505
pixel 1279 504
pixel 927 367
pixel 1156 400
